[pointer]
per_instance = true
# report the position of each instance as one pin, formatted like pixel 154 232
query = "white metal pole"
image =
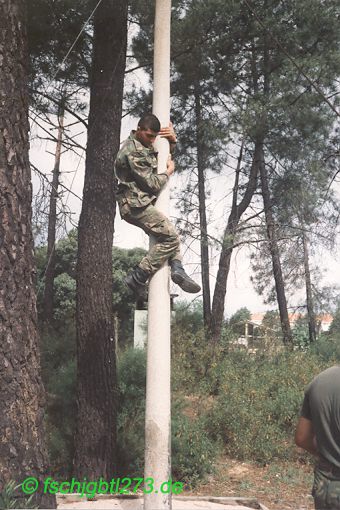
pixel 158 415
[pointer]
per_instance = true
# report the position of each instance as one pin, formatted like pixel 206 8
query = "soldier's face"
pixel 146 136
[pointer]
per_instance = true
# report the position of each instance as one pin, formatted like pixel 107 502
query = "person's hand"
pixel 170 166
pixel 168 133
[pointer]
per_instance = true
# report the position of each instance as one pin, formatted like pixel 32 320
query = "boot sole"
pixel 191 288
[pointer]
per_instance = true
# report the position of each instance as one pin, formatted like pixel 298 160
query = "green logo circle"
pixel 30 485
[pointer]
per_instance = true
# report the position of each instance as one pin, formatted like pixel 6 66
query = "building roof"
pixel 293 317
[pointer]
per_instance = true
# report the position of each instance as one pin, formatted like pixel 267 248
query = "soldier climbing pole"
pixel 158 416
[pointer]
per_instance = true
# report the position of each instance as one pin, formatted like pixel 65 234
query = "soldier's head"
pixel 147 129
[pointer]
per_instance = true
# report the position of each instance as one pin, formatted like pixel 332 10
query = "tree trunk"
pixel 275 255
pixel 202 208
pixel 309 293
pixel 236 212
pixel 52 221
pixel 95 440
pixel 22 398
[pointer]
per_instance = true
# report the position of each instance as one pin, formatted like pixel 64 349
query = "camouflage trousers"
pixel 156 224
pixel 326 487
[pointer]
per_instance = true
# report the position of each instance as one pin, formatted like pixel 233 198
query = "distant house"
pixel 253 335
pixel 323 321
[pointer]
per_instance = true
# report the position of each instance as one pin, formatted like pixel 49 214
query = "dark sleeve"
pixel 305 409
pixel 142 170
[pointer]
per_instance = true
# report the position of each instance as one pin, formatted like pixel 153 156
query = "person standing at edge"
pixel 318 432
pixel 138 187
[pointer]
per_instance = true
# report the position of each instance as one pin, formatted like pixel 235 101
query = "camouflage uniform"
pixel 326 487
pixel 138 188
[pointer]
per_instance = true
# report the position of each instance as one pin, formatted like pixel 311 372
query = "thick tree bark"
pixel 237 209
pixel 52 222
pixel 275 254
pixel 22 399
pixel 309 292
pixel 202 208
pixel 95 441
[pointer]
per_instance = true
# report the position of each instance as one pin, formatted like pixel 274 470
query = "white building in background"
pixel 140 334
pixel 323 321
pixel 140 324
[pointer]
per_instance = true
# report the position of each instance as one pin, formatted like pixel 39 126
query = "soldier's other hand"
pixel 168 133
pixel 170 166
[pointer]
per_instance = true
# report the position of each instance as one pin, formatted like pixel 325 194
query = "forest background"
pixel 255 102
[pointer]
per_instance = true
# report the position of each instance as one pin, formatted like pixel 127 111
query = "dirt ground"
pixel 277 486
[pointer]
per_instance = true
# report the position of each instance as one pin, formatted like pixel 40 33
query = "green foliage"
pixel 64 298
pixel 59 376
pixel 335 326
pixel 66 254
pixel 64 280
pixel 52 28
pixel 123 300
pixel 10 498
pixel 241 315
pixel 271 323
pixel 65 284
pixel 189 317
pixel 192 357
pixel 301 334
pixel 258 402
pixel 327 348
pixel 192 450
pixel 58 353
pixel 248 403
pixel 237 321
pixel 131 374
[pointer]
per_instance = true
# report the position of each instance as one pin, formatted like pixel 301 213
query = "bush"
pixel 327 348
pixel 191 359
pixel 254 399
pixel 61 418
pixel 131 372
pixel 192 449
pixel 59 377
pixel 258 403
pixel 189 317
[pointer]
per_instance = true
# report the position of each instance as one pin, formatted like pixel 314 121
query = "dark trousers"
pixel 326 487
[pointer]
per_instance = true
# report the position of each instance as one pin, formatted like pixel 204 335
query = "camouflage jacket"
pixel 136 171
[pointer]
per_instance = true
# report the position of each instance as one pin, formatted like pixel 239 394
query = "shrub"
pixel 59 376
pixel 255 398
pixel 192 449
pixel 131 372
pixel 258 403
pixel 191 359
pixel 327 348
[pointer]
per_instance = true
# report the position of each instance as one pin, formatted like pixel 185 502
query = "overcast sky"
pixel 240 290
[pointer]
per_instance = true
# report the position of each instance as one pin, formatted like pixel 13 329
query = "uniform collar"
pixel 139 145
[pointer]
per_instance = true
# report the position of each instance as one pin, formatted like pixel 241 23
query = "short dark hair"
pixel 149 121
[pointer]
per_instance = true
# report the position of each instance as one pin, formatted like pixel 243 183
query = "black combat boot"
pixel 136 281
pixel 179 276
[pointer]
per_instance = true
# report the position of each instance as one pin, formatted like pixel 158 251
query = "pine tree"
pixel 22 449
pixel 95 442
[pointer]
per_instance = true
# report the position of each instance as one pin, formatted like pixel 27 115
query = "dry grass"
pixel 278 486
